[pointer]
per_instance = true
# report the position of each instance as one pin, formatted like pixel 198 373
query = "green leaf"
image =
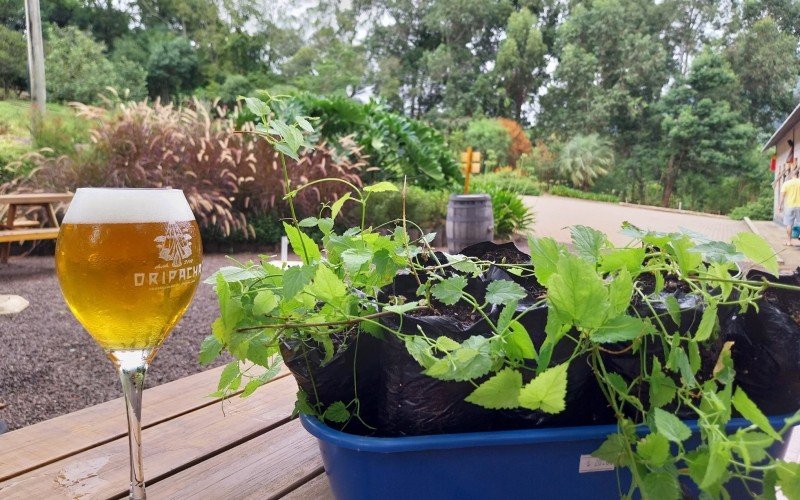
pixel 504 291
pixel 613 450
pixel 449 291
pixel 755 248
pixel 327 287
pixel 308 222
pixel 336 412
pixel 233 274
pixel 209 350
pixel 337 205
pixel 750 411
pixel 446 344
pixel 707 323
pixel 719 458
pixel 620 329
pixel 286 150
pixel 401 308
pixel 661 485
pixel 619 292
pixel 470 361
pixel 588 242
pixel 751 446
pixel 654 449
pixel 547 391
pixel 296 278
pixel 789 479
pixel 463 264
pixel 264 302
pixel 380 187
pixel 303 124
pixel 325 225
pixel 662 388
pixel 629 259
pixel 545 253
pixel 300 241
pixel 577 294
pixel 354 258
pixel 499 392
pixel 688 261
pixel 520 345
pixel 671 426
pixel 673 309
pixel 420 350
pixel 257 106
pixel 228 375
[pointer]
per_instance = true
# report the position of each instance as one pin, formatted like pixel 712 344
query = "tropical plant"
pixel 584 158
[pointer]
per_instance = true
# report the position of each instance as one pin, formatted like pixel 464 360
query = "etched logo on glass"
pixel 175 246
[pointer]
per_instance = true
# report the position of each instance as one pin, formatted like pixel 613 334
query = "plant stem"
pixel 291 203
pixel 356 319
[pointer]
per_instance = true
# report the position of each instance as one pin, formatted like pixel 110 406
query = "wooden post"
pixel 35 58
pixel 469 170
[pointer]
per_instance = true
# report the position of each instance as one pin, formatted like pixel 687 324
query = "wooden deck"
pixel 194 447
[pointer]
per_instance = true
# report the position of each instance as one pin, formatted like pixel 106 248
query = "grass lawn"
pixel 60 130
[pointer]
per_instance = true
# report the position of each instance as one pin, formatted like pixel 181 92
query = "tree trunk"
pixel 670 177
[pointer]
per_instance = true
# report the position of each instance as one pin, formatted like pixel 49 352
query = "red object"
pixel 772 163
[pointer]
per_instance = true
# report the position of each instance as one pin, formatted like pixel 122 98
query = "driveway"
pixel 554 216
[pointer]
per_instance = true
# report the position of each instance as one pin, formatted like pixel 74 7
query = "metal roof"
pixel 785 127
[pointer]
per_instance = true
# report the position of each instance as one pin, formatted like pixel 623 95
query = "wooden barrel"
pixel 469 220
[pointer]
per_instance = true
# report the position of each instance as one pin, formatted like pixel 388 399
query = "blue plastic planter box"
pixel 537 463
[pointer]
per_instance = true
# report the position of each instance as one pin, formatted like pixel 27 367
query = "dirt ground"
pixel 50 366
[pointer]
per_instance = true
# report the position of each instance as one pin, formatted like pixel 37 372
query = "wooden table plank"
pixel 34 198
pixel 51 440
pixel 317 489
pixel 265 467
pixel 169 447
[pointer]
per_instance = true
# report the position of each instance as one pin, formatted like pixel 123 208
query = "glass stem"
pixel 132 367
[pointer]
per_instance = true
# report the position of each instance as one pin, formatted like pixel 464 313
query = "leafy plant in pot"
pixel 492 341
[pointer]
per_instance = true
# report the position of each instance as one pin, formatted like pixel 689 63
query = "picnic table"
pixel 16 229
pixel 194 447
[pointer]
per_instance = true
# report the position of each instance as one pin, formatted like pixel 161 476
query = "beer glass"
pixel 128 262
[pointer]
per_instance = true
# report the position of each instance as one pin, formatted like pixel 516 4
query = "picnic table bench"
pixel 194 447
pixel 24 230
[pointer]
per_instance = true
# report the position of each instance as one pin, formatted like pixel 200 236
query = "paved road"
pixel 554 216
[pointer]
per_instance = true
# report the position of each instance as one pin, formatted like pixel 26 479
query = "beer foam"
pixel 120 205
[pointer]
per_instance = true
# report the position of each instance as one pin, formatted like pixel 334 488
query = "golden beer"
pixel 129 283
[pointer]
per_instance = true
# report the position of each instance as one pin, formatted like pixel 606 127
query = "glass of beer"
pixel 128 261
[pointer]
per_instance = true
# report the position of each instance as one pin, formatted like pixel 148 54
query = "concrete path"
pixel 555 214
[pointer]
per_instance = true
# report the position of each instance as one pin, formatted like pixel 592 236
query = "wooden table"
pixel 194 447
pixel 12 231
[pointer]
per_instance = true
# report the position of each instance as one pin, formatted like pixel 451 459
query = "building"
pixel 784 160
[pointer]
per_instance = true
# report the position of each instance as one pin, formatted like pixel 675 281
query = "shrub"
pixel 491 138
pixel 520 144
pixel 510 212
pixel 428 209
pixel 559 190
pixel 513 180
pixel 761 209
pixel 13 58
pixel 226 176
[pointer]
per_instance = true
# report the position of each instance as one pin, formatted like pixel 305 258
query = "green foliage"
pixel 172 67
pixel 397 146
pixel 509 180
pixel 492 139
pixel 761 209
pixel 427 209
pixel 78 70
pixel 509 210
pixel 520 58
pixel 559 190
pixel 584 158
pixel 13 59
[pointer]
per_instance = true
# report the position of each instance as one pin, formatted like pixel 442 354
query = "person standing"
pixel 790 194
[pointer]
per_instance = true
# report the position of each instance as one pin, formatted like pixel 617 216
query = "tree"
pixel 172 67
pixel 491 138
pixel 584 158
pixel 765 60
pixel 13 59
pixel 520 59
pixel 78 70
pixel 702 133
